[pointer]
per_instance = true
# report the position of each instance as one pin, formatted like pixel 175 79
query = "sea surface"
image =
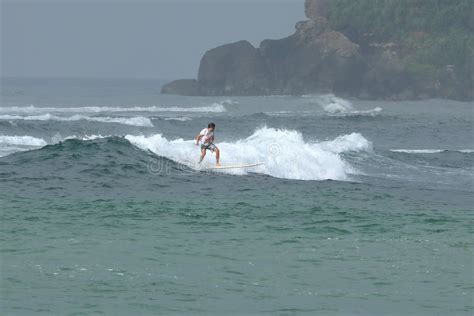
pixel 359 208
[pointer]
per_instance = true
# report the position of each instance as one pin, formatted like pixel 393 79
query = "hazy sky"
pixel 141 39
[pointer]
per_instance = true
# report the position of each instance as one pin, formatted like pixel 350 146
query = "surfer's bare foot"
pixel 218 164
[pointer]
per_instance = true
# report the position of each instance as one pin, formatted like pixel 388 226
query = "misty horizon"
pixel 159 39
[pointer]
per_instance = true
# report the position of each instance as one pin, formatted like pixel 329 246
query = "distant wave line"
pixel 214 108
pixel 430 151
pixel 132 121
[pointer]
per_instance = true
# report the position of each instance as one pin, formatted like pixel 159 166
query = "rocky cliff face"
pixel 189 87
pixel 315 59
pixel 233 69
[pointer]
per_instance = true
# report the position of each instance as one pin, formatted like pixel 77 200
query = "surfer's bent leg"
pixel 203 154
pixel 217 155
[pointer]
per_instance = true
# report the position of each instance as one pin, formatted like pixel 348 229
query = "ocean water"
pixel 359 208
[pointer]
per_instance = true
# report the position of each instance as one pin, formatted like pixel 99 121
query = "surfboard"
pixel 223 167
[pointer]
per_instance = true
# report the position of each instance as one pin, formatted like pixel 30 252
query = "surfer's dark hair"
pixel 211 125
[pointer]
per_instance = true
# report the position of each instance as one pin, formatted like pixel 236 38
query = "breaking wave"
pixel 11 144
pixel 285 153
pixel 340 107
pixel 22 141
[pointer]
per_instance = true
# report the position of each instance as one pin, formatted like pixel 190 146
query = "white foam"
pixel 85 137
pixel 344 143
pixel 22 141
pixel 11 144
pixel 181 119
pixel 133 121
pixel 430 151
pixel 340 107
pixel 285 153
pixel 227 102
pixel 215 107
pixel 373 112
pixel 332 104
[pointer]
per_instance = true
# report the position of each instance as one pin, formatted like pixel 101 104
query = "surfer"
pixel 206 139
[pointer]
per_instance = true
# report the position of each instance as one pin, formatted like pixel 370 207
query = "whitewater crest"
pixel 22 141
pixel 179 118
pixel 340 107
pixel 284 153
pixel 11 144
pixel 431 151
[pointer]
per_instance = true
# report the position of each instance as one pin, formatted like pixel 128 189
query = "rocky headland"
pixel 332 53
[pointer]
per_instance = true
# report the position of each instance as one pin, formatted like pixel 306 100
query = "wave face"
pixel 217 107
pixel 132 121
pixel 285 153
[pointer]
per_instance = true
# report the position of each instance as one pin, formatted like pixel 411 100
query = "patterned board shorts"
pixel 209 146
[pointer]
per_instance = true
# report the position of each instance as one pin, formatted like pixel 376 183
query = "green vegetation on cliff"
pixel 431 34
pixel 394 19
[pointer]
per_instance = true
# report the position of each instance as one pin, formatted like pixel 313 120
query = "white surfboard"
pixel 234 166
